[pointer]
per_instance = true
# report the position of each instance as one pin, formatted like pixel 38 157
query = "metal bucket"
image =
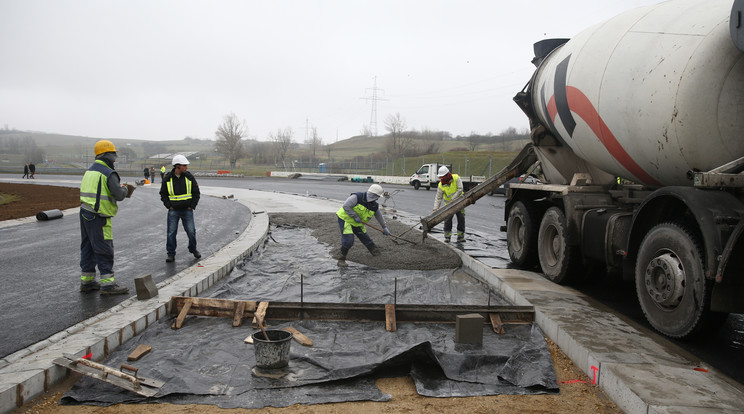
pixel 272 354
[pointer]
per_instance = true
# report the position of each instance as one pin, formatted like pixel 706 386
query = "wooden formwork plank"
pixel 390 324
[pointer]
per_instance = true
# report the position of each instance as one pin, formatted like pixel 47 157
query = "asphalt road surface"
pixel 40 261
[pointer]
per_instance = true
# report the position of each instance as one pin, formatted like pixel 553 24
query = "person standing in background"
pixel 32 169
pixel 25 171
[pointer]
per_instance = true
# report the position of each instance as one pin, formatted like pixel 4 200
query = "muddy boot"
pixel 114 289
pixel 90 286
pixel 373 249
pixel 342 258
pixel 460 237
pixel 447 237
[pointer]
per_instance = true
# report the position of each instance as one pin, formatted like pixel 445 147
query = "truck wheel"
pixel 559 261
pixel 670 282
pixel 521 234
pixel 416 185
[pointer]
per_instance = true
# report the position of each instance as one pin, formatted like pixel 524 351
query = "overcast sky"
pixel 163 70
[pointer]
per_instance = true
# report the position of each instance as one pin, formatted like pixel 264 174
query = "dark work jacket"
pixel 179 187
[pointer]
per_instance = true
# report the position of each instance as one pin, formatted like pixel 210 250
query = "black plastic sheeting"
pixel 49 215
pixel 207 362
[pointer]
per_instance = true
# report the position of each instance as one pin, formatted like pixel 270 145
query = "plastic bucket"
pixel 272 354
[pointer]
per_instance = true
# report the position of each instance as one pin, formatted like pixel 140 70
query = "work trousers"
pixel 187 218
pixel 96 247
pixel 460 224
pixel 347 240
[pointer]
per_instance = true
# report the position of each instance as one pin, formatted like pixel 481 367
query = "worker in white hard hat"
pixel 100 189
pixel 449 189
pixel 179 193
pixel 357 210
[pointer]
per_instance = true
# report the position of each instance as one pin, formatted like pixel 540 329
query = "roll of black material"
pixel 49 215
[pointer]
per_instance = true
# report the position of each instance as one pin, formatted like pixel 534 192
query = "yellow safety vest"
pixel 94 192
pixel 450 189
pixel 179 197
pixel 363 212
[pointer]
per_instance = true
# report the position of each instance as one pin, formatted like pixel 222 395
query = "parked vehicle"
pixel 528 179
pixel 426 176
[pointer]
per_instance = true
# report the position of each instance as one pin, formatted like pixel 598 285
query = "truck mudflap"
pixel 519 165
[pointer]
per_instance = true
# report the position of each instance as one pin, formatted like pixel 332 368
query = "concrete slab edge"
pixel 29 372
pixel 633 393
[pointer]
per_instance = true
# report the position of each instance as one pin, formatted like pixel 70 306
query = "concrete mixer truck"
pixel 637 128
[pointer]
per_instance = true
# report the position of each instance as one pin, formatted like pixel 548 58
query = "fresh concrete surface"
pixel 640 371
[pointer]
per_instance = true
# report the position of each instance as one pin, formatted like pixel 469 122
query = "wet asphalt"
pixel 40 270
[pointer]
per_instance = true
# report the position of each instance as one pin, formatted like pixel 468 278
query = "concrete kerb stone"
pixel 27 373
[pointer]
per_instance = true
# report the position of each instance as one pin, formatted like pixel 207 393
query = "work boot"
pixel 89 286
pixel 342 257
pixel 460 237
pixel 373 249
pixel 114 289
pixel 196 254
pixel 447 237
pixel 170 258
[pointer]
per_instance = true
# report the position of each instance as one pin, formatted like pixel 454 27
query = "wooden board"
pixel 238 317
pixel 182 315
pixel 299 336
pixel 496 323
pixel 139 352
pixel 260 314
pixel 390 324
pixel 211 307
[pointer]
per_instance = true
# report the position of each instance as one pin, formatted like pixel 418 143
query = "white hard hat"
pixel 442 171
pixel 180 159
pixel 375 189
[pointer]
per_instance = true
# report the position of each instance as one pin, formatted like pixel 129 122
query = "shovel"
pixel 394 237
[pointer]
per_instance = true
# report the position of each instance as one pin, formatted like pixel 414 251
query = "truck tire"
pixel 560 261
pixel 670 282
pixel 521 234
pixel 416 185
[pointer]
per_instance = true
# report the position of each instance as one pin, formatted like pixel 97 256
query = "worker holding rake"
pixel 357 210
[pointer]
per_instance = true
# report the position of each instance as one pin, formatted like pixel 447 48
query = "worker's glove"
pixel 357 219
pixel 385 231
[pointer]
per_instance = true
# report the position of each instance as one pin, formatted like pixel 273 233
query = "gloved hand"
pixel 385 231
pixel 357 219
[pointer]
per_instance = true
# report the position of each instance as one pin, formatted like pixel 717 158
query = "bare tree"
pixel 229 139
pixel 473 141
pixel 366 130
pixel 282 140
pixel 314 141
pixel 396 125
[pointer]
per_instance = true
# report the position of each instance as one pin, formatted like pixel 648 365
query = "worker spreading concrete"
pixel 449 189
pixel 99 192
pixel 357 210
pixel 180 194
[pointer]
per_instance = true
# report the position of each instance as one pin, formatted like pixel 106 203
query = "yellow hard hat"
pixel 104 145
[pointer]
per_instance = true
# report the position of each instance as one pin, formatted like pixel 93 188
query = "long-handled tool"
pixel 395 237
pixel 147 387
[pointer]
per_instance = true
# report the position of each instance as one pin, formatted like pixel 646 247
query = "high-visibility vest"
pixel 94 192
pixel 179 197
pixel 162 170
pixel 365 211
pixel 450 189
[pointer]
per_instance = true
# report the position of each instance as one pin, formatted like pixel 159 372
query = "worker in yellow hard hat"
pixel 100 189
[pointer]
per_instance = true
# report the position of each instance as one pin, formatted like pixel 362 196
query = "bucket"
pixel 275 353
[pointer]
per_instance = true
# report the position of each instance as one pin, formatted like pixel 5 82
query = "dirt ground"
pixel 25 200
pixel 577 395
